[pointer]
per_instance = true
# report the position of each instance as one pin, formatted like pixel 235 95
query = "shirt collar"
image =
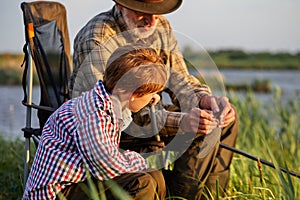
pixel 101 91
pixel 123 115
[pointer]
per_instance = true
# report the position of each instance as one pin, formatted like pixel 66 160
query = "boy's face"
pixel 137 103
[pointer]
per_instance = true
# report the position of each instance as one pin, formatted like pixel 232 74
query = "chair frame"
pixel 32 15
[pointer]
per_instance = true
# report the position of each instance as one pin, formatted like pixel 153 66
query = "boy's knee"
pixel 153 185
pixel 147 181
pixel 146 187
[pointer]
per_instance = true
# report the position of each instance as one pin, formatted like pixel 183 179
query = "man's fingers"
pixel 199 121
pixel 203 126
pixel 214 105
pixel 197 114
pixel 230 117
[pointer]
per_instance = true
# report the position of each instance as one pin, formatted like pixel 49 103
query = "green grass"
pixel 11 169
pixel 270 131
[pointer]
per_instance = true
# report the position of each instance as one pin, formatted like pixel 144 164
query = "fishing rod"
pixel 258 159
pixel 157 137
pixel 224 146
pixel 265 162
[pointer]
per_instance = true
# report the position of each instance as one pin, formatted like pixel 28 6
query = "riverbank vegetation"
pixel 238 59
pixel 270 131
pixel 10 69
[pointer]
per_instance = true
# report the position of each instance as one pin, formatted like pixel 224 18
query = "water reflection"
pixel 13 113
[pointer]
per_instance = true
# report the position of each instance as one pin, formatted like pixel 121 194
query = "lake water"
pixel 288 81
pixel 13 113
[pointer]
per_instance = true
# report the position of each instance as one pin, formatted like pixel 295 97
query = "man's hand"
pixel 199 121
pixel 220 107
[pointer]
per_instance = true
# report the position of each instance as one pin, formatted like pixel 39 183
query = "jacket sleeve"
pixel 185 90
pixel 89 65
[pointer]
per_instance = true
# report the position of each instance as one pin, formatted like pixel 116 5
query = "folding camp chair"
pixel 47 48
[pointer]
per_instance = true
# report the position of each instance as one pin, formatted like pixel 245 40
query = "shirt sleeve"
pixel 184 89
pixel 169 122
pixel 98 143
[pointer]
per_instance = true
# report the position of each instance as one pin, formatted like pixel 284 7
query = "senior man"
pixel 194 107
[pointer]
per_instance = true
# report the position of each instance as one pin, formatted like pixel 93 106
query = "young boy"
pixel 82 136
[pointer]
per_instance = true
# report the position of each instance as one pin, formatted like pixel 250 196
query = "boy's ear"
pixel 155 100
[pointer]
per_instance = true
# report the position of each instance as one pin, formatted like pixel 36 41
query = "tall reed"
pixel 269 130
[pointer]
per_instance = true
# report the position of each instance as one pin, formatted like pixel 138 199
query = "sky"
pixel 250 25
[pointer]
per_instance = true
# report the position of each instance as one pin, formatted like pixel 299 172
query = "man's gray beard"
pixel 133 29
pixel 143 35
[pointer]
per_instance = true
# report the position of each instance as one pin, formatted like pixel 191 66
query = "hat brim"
pixel 158 8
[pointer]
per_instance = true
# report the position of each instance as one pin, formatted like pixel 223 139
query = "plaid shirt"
pixel 103 34
pixel 81 135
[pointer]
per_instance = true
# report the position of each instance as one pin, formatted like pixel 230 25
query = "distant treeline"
pixel 239 59
pixel 11 71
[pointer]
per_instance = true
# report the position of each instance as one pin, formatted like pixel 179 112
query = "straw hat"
pixel 151 6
